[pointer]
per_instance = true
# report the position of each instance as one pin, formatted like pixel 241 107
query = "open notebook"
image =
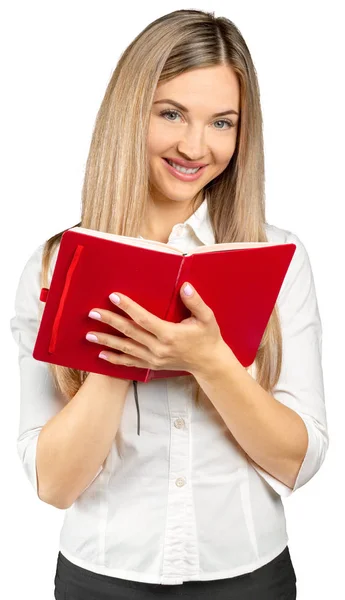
pixel 239 281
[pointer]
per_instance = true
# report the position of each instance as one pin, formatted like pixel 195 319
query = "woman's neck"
pixel 160 222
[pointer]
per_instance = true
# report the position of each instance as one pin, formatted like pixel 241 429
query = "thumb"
pixel 194 302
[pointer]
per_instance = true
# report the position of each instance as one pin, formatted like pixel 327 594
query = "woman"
pixel 193 505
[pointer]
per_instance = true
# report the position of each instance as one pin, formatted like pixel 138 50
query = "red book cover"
pixel 239 281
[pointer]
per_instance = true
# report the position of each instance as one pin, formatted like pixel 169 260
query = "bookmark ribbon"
pixel 59 313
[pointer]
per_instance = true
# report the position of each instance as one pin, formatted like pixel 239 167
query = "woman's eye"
pixel 175 112
pixel 169 112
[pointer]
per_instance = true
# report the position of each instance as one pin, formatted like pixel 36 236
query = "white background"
pixel 57 59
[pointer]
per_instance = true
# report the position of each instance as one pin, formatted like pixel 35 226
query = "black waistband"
pixel 280 568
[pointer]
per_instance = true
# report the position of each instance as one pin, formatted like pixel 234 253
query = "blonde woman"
pixel 193 504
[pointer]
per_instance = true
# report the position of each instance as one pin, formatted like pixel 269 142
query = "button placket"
pixel 177 525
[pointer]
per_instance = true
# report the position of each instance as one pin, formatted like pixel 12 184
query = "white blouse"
pixel 180 502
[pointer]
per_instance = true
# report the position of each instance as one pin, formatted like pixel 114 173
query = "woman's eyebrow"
pixel 178 105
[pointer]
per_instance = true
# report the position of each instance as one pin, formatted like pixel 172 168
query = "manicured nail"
pixel 188 290
pixel 94 315
pixel 115 298
pixel 91 337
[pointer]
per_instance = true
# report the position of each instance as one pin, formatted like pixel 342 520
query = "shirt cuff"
pixel 315 454
pixel 26 448
pixel 278 486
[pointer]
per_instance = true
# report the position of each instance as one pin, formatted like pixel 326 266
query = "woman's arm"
pixel 284 433
pixel 73 445
pixel 61 446
pixel 271 434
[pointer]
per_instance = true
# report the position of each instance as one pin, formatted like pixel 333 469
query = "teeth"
pixel 182 169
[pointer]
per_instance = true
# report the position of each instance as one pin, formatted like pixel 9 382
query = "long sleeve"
pixel 39 398
pixel 301 386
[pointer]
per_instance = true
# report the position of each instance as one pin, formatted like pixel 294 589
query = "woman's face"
pixel 193 133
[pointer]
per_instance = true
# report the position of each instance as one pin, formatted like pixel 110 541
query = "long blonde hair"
pixel 116 188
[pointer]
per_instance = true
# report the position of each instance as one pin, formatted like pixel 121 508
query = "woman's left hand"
pixel 153 343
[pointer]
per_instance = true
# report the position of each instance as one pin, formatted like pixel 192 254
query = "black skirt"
pixel 274 581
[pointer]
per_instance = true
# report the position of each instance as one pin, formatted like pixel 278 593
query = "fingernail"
pixel 91 337
pixel 94 315
pixel 188 290
pixel 115 298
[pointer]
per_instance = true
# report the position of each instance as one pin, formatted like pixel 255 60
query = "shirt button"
pixel 180 481
pixel 179 423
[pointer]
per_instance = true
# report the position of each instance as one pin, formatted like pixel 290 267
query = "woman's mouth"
pixel 182 173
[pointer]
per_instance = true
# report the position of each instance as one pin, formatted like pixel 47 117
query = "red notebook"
pixel 239 281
